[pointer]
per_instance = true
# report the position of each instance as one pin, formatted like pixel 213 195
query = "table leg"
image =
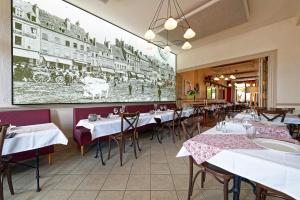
pixel 37 171
pixel 99 150
pixel 191 175
pixel 236 187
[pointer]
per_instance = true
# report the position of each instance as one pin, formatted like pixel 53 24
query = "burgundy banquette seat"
pixel 83 136
pixel 28 117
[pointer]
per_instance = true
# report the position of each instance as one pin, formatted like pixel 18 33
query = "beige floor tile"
pixel 140 168
pixel 137 195
pixel 210 183
pixel 57 194
pixel 197 195
pixel 84 195
pixel 115 182
pixel 84 167
pixel 160 168
pixel 163 195
pixel 213 194
pixel 181 182
pixel 158 158
pixel 124 169
pixel 70 182
pixel 110 195
pixel 162 182
pixel 92 182
pixel 138 182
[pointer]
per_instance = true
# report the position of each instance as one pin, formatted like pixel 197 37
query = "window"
pixel 240 92
pixel 33 30
pixel 75 45
pixel 18 40
pixel 14 10
pixel 81 47
pixel 28 16
pixel 88 48
pixel 78 36
pixel 44 36
pixel 67 43
pixel 57 40
pixel 18 26
pixel 211 93
pixel 19 12
pixel 33 18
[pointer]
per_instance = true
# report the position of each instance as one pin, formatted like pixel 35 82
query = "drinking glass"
pixel 161 107
pixel 165 107
pixel 121 110
pixel 115 111
pixel 251 132
pixel 218 126
pixel 246 124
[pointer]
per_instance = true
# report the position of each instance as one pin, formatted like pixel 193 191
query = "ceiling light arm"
pixel 182 14
pixel 156 15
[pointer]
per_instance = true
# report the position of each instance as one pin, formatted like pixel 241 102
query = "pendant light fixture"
pixel 174 18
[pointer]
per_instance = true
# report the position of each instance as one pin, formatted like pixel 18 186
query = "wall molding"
pixel 288 104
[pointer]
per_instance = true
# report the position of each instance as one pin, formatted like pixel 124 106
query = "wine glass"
pixel 115 111
pixel 155 107
pixel 161 107
pixel 246 124
pixel 122 110
pixel 165 107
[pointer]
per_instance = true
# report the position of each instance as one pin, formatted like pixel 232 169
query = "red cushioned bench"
pixel 83 136
pixel 28 117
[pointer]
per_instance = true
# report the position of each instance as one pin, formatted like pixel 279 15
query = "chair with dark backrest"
pixel 129 122
pixel 272 114
pixel 219 174
pixel 191 126
pixel 175 122
pixel 262 192
pixel 4 164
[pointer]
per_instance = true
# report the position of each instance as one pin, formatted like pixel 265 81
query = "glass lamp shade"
pixel 149 35
pixel 186 45
pixel 232 77
pixel 167 49
pixel 170 24
pixel 222 76
pixel 226 78
pixel 229 85
pixel 216 79
pixel 189 33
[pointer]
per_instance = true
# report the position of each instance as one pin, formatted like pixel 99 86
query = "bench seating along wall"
pixel 28 117
pixel 83 136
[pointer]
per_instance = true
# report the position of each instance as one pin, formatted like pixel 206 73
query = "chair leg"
pixel 1 187
pixel 258 192
pixel 109 147
pixel 9 180
pixel 203 176
pixel 121 151
pixel 134 147
pixel 137 141
pixel 179 131
pixel 82 150
pixel 173 133
pixel 225 189
pixel 190 191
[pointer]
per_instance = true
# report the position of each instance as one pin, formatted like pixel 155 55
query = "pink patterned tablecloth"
pixel 205 146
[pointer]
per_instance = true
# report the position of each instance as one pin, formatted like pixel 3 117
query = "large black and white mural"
pixel 63 54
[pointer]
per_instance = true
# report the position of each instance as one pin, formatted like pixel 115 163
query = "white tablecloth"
pixel 33 137
pixel 109 126
pixel 277 170
pixel 289 119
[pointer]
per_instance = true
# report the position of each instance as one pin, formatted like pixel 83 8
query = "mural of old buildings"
pixel 46 48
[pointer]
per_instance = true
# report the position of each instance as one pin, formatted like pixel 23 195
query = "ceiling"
pixel 207 17
pixel 242 70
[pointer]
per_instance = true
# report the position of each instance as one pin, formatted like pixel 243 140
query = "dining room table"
pixel 32 137
pixel 231 149
pixel 105 126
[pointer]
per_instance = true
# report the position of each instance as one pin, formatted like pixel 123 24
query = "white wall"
pixel 283 36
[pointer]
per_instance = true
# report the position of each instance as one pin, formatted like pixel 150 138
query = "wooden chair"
pixel 4 164
pixel 175 123
pixel 129 123
pixel 191 126
pixel 219 174
pixel 272 114
pixel 262 192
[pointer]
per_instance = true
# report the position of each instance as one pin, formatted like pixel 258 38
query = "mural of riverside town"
pixel 62 54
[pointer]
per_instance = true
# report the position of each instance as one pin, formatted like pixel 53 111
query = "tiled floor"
pixel 156 174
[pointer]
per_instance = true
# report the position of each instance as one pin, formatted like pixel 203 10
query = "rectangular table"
pixel 33 137
pixel 274 169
